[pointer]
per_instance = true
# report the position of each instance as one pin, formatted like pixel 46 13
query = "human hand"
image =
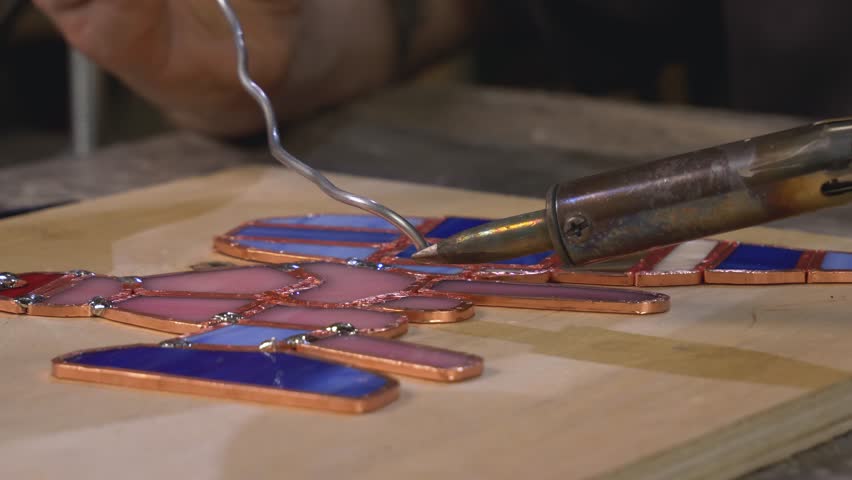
pixel 179 54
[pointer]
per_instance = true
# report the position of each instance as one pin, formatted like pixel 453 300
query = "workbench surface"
pixel 488 140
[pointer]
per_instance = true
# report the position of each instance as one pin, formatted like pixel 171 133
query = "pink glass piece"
pixel 194 310
pixel 244 280
pixel 423 303
pixel 526 290
pixel 398 351
pixel 342 283
pixel 315 318
pixel 85 290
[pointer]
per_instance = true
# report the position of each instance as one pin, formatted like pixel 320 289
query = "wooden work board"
pixel 732 378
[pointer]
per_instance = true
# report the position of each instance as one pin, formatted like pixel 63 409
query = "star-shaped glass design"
pixel 316 324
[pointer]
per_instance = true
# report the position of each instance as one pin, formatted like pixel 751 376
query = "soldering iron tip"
pixel 427 255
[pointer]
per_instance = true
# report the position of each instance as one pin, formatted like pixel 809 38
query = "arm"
pixel 307 54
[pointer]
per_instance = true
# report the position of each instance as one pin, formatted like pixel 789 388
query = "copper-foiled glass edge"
pixel 226 246
pixel 394 330
pixel 66 311
pixel 461 312
pixel 151 322
pixel 524 277
pixel 668 279
pixel 624 279
pixel 824 276
pixel 756 277
pixel 817 275
pixel 11 306
pixel 660 303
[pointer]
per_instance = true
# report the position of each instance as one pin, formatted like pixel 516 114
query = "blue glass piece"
pixel 758 257
pixel 407 253
pixel 453 225
pixel 334 251
pixel 837 261
pixel 532 259
pixel 348 221
pixel 312 234
pixel 273 370
pixel 439 269
pixel 241 335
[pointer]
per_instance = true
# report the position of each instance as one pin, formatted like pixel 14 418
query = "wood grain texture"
pixel 730 379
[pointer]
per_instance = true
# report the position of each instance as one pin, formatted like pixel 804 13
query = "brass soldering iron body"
pixel 702 193
pixel 672 200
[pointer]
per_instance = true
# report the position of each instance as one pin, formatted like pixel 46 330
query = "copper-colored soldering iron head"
pixel 499 240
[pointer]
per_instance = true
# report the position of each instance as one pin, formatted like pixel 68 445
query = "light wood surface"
pixel 730 379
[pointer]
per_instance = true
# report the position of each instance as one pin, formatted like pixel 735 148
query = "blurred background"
pixel 705 53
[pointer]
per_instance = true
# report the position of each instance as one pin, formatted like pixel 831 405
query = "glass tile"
pixel 434 269
pixel 34 281
pixel 246 280
pixel 242 335
pixel 342 283
pixel 686 256
pixel 348 221
pixel 330 251
pixel 396 350
pixel 315 234
pixel 526 290
pixel 193 310
pixel 316 318
pixel 837 261
pixel 759 257
pixel 85 290
pixel 423 303
pixel 273 370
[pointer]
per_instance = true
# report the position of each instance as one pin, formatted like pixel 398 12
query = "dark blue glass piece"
pixel 758 257
pixel 317 234
pixel 453 225
pixel 282 371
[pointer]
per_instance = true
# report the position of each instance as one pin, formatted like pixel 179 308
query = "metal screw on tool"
pixel 577 228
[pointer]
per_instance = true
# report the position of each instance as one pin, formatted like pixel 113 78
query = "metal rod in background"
pixel 86 91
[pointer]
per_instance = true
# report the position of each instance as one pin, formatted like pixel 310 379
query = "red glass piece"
pixel 34 281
